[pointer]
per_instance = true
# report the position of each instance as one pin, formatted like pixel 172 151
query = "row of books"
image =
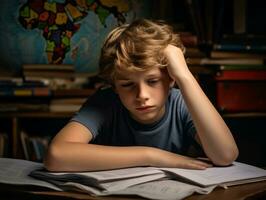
pixel 55 76
pixel 34 147
pixel 237 75
pixel 218 22
pixel 41 80
pixel 59 104
pixel 44 87
pixel 201 61
pixel 36 91
pixel 42 70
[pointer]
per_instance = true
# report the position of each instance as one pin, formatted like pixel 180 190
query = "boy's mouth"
pixel 144 108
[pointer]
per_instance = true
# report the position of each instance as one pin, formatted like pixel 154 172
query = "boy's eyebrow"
pixel 148 76
pixel 122 78
pixel 152 75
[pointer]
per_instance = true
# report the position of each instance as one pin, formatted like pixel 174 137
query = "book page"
pixel 110 180
pixel 220 175
pixel 109 187
pixel 161 189
pixel 125 183
pixel 165 189
pixel 15 171
pixel 105 175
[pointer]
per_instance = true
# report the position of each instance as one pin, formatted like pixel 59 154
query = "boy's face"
pixel 144 93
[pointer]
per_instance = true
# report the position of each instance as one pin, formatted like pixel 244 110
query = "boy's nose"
pixel 142 93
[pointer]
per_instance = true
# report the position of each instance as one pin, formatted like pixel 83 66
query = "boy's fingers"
pixel 196 164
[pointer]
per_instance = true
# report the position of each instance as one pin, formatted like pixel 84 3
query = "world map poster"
pixel 61 31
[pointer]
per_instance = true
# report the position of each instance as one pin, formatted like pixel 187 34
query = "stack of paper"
pixel 148 182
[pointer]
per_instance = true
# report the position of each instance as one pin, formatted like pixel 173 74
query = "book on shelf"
pixel 196 17
pixel 240 47
pixel 3 144
pixel 48 67
pixel 66 104
pixel 34 91
pixel 10 87
pixel 227 61
pixel 239 16
pixel 34 147
pixel 29 106
pixel 254 43
pixel 236 54
pixel 194 52
pixel 201 70
pixel 245 75
pixel 242 67
pixel 188 39
pixel 48 71
pixel 147 182
pixel 10 81
pixel 245 38
pixel 237 86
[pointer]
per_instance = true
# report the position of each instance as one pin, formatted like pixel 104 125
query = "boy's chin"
pixel 146 119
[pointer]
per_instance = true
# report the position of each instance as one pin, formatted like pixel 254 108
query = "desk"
pixel 251 191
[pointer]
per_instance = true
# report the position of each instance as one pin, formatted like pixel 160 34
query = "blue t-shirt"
pixel 111 124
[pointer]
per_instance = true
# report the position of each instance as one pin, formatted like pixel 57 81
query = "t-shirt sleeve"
pixel 94 112
pixel 189 127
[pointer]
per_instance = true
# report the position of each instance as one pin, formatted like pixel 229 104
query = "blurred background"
pixel 49 53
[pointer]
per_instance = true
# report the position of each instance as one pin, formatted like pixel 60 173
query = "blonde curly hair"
pixel 136 47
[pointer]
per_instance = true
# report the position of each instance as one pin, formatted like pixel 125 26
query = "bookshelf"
pixel 36 105
pixel 58 106
pixel 228 34
pixel 16 120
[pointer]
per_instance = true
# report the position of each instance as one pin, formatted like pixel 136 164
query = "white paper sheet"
pixel 220 175
pixel 15 171
pixel 165 189
pixel 115 174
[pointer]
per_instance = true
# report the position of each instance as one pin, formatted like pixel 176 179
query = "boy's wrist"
pixel 184 78
pixel 150 156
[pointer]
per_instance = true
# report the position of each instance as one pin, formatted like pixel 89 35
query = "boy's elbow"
pixel 51 160
pixel 227 158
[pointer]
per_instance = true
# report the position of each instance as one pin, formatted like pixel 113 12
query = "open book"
pixel 108 180
pixel 235 174
pixel 149 182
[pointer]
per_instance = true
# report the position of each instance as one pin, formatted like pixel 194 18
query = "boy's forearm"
pixel 72 156
pixel 214 135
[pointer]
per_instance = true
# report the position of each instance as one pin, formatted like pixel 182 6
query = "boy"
pixel 142 120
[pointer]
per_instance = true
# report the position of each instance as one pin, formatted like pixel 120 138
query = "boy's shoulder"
pixel 104 94
pixel 106 90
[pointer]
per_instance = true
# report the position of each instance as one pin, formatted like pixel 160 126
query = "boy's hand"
pixel 162 158
pixel 177 66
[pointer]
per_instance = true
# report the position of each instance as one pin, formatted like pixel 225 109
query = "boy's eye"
pixel 153 81
pixel 126 84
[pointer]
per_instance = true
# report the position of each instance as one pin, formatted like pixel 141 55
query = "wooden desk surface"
pixel 249 191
